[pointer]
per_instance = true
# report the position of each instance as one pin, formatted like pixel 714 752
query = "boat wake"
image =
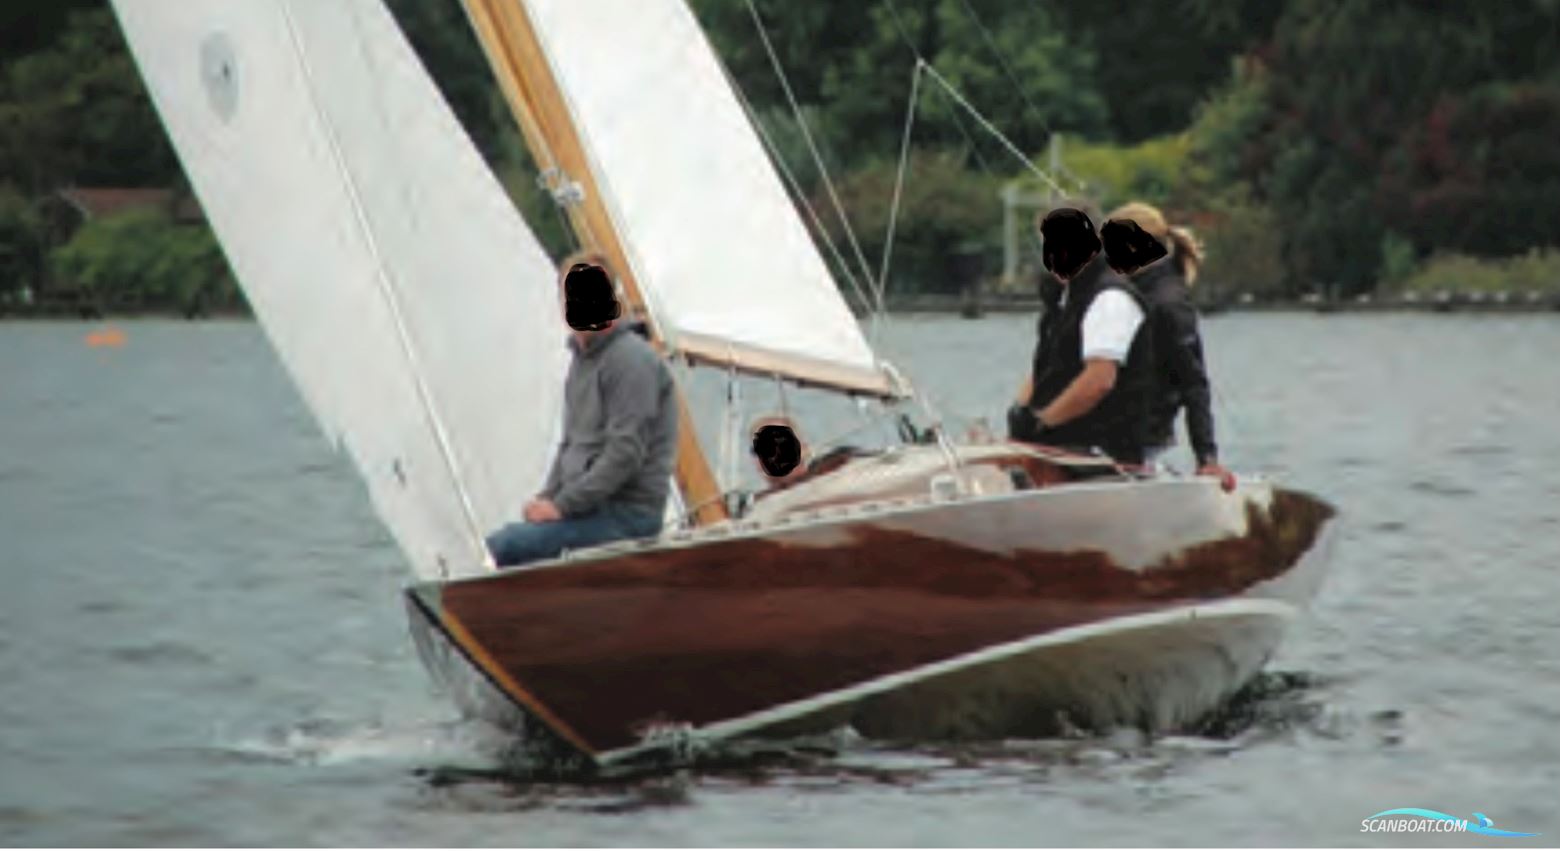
pixel 1277 709
pixel 325 742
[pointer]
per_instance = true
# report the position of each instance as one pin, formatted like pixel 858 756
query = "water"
pixel 201 640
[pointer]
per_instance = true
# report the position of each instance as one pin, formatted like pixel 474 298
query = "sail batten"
pixel 714 240
pixel 414 310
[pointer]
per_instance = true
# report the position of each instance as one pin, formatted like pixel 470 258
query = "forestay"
pixel 727 267
pixel 406 297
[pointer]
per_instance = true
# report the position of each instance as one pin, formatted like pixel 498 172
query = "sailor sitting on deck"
pixel 784 459
pixel 1093 372
pixel 610 476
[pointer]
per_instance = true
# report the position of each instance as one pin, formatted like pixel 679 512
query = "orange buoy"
pixel 106 338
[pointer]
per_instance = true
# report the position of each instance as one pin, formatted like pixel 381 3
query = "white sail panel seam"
pixel 387 292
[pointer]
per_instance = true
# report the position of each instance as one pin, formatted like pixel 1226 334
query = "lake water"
pixel 201 639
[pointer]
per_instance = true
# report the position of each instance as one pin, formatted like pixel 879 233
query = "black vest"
pixel 1119 424
pixel 1161 285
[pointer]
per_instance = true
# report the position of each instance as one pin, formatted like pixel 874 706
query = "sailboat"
pixel 930 590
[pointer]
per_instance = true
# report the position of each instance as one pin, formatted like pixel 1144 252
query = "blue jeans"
pixel 521 543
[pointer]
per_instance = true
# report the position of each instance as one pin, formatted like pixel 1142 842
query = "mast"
pixel 531 90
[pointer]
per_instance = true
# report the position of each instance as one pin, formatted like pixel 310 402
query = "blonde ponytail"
pixel 1185 248
pixel 1188 252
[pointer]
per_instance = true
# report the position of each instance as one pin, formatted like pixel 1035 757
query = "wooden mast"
pixel 507 36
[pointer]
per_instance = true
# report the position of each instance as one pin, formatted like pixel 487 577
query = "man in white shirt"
pixel 1093 370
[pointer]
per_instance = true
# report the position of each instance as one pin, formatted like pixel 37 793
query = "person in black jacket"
pixel 1162 262
pixel 1091 380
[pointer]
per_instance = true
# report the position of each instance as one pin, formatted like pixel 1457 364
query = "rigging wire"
pixel 795 186
pixel 899 185
pixel 1031 236
pixel 1007 67
pixel 957 99
pixel 963 102
pixel 729 439
pixel 785 407
pixel 812 145
pixel 992 129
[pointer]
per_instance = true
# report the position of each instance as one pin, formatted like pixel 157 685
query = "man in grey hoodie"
pixel 610 477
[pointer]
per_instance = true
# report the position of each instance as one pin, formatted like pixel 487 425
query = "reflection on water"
pixel 201 627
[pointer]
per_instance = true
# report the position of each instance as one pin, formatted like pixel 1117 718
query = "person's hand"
pixel 1213 468
pixel 542 511
pixel 1023 424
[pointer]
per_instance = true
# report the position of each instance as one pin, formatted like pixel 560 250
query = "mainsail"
pixel 727 267
pixel 405 295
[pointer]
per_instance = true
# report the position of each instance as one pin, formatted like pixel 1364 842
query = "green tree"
pixel 28 25
pixel 947 216
pixel 142 260
pixel 20 238
pixel 849 65
pixel 1480 174
pixel 1353 132
pixel 77 113
pixel 1157 61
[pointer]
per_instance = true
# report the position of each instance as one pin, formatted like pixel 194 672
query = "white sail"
pixel 726 264
pixel 406 297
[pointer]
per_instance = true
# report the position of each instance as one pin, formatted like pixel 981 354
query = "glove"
pixel 1024 424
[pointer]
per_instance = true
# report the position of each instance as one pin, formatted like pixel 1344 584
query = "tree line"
pixel 1344 146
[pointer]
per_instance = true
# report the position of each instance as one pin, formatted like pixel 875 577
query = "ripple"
pixel 160 653
pixel 16 817
pixel 101 607
pixel 1438 488
pixel 315 468
pixel 1479 450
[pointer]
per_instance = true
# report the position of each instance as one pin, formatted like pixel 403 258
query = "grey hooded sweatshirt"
pixel 619 427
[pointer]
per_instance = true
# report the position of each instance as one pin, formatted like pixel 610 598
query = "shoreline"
pixel 945 305
pixel 1441 303
pixel 67 313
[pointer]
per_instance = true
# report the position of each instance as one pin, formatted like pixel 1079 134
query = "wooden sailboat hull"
pixel 1143 603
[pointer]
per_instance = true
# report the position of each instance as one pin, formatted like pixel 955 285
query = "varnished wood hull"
pixel 1143 603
